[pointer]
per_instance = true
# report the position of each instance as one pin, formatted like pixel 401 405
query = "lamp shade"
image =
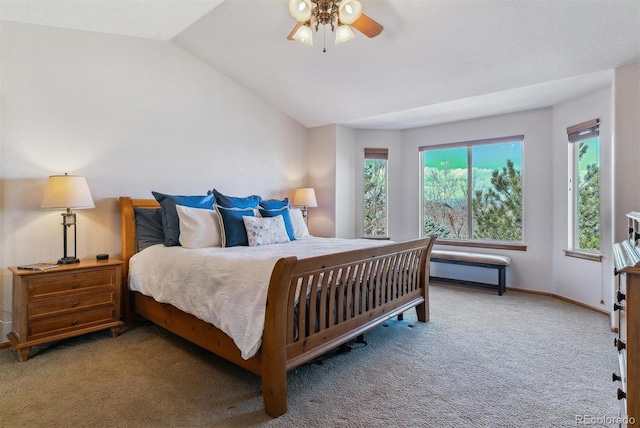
pixel 305 197
pixel 349 11
pixel 300 10
pixel 67 191
pixel 344 33
pixel 304 35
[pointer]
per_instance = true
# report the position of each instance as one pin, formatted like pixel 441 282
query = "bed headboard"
pixel 128 221
pixel 130 246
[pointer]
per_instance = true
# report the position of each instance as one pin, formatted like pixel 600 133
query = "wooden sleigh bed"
pixel 355 292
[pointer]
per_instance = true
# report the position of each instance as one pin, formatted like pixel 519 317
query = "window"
pixel 584 186
pixel 473 190
pixel 375 192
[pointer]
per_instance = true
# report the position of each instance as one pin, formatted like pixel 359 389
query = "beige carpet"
pixel 519 360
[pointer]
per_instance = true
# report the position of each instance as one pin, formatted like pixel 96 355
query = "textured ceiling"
pixel 435 61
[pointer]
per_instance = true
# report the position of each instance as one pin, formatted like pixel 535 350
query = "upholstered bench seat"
pixel 491 261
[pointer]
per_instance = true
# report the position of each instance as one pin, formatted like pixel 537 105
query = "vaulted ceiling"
pixel 435 61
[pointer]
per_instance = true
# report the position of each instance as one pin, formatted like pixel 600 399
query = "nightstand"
pixel 64 302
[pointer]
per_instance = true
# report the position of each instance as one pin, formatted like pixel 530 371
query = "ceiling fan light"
pixel 304 35
pixel 349 11
pixel 300 10
pixel 344 33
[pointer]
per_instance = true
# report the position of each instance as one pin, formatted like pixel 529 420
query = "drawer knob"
pixel 74 286
pixel 619 344
pixel 617 307
pixel 74 304
pixel 621 394
pixel 620 295
pixel 615 377
pixel 74 322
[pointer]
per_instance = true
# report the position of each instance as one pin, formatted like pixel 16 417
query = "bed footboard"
pixel 319 303
pixel 313 304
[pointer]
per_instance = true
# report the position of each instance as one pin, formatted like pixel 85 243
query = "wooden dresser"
pixel 627 308
pixel 64 302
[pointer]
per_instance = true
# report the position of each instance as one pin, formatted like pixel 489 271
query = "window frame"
pixel 575 135
pixel 470 242
pixel 376 154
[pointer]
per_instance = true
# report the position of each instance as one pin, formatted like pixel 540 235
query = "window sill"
pixel 377 238
pixel 483 244
pixel 583 255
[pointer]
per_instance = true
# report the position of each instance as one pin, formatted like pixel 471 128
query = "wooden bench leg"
pixel 502 280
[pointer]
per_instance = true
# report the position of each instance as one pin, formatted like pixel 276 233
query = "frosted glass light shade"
pixel 305 197
pixel 67 191
pixel 300 10
pixel 344 33
pixel 349 11
pixel 304 35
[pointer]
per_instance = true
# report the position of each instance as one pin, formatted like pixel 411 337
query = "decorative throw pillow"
pixel 284 213
pixel 149 229
pixel 231 225
pixel 170 220
pixel 265 231
pixel 300 229
pixel 226 201
pixel 274 204
pixel 199 227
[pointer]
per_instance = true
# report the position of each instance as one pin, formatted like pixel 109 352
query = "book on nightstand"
pixel 38 266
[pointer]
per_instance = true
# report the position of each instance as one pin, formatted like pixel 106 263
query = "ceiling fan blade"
pixel 367 26
pixel 298 25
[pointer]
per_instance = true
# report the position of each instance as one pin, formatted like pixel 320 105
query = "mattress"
pixel 226 287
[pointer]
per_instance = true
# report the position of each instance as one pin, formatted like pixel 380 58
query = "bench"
pixel 491 261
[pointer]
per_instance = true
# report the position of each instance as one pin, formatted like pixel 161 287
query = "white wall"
pixel 530 269
pixel 321 163
pixel 345 182
pixel 331 173
pixel 626 105
pixel 131 115
pixel 582 280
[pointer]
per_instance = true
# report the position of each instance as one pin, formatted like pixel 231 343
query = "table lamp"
pixel 67 192
pixel 305 197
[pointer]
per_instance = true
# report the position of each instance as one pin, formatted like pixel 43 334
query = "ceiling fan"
pixel 341 15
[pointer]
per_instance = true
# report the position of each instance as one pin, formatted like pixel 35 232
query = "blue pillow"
pixel 170 220
pixel 149 230
pixel 284 212
pixel 232 226
pixel 225 201
pixel 274 204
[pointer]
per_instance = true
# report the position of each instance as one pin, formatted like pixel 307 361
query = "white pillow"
pixel 199 227
pixel 265 230
pixel 300 229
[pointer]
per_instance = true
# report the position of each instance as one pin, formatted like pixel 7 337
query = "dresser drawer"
pixel 42 286
pixel 51 307
pixel 622 312
pixel 71 322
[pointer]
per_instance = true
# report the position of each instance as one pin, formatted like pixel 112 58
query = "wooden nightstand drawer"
pixel 42 286
pixel 55 307
pixel 72 322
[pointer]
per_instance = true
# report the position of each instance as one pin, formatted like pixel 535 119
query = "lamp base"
pixel 68 261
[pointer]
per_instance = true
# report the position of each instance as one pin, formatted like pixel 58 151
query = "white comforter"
pixel 226 287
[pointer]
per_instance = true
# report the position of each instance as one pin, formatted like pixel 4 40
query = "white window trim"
pixel 572 195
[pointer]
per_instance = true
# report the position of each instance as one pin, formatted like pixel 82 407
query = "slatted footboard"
pixel 319 303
